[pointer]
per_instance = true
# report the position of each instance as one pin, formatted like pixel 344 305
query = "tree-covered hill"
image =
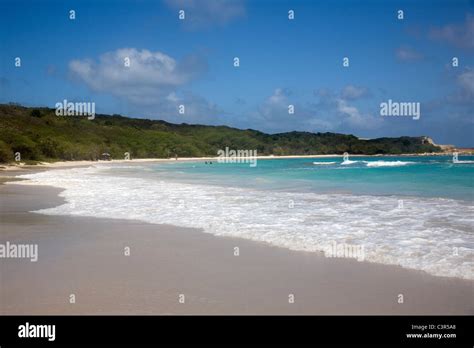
pixel 39 135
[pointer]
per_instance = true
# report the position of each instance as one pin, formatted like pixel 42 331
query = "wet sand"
pixel 85 256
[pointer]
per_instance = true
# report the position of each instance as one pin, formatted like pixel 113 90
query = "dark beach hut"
pixel 105 156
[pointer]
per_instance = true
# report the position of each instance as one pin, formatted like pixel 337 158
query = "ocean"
pixel 411 211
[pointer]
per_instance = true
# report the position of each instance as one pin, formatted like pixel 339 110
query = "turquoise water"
pixel 434 176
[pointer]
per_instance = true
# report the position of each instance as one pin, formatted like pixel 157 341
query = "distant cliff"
pixel 38 135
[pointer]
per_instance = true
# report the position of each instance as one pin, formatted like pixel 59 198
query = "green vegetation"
pixel 39 135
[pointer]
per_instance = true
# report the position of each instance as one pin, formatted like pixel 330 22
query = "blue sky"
pixel 282 62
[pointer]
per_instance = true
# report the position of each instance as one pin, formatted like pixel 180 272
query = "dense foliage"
pixel 38 134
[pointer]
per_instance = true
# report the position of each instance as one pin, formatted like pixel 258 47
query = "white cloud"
pixel 328 113
pixel 197 109
pixel 354 117
pixel 463 95
pixel 151 75
pixel 466 81
pixel 277 98
pixel 351 111
pixel 154 84
pixel 407 54
pixel 273 112
pixel 459 35
pixel 351 92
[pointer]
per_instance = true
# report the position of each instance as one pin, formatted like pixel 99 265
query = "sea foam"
pixel 324 163
pixel 386 163
pixel 377 163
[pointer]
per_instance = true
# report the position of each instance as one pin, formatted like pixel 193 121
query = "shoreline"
pixel 85 255
pixel 81 163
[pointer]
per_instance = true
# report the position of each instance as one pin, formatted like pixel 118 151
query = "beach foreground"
pixel 85 257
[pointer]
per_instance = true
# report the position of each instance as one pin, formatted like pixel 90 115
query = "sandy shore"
pixel 85 257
